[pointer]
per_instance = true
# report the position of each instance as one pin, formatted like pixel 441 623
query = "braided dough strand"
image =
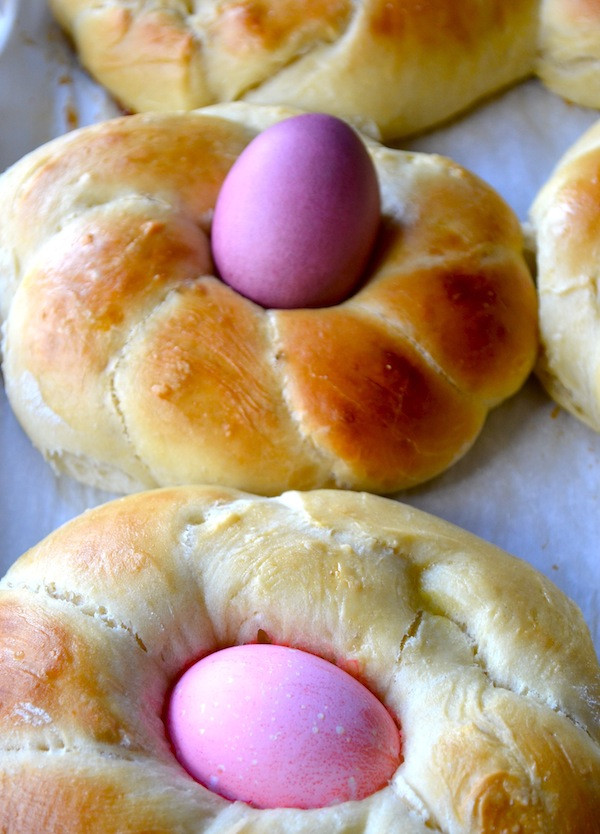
pixel 130 365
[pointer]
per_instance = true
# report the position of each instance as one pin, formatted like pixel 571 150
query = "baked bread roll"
pixel 403 66
pixel 564 222
pixel 130 365
pixel 488 668
pixel 400 65
pixel 569 49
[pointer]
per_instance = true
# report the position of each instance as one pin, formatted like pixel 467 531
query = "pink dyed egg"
pixel 278 727
pixel 297 215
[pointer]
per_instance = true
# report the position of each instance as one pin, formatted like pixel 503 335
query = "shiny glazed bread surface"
pixel 487 666
pixel 131 365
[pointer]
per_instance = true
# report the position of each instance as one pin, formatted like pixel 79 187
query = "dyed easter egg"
pixel 297 215
pixel 279 727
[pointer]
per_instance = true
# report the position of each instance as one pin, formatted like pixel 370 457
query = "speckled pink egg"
pixel 281 728
pixel 297 216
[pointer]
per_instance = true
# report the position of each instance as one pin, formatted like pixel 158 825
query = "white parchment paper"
pixel 531 484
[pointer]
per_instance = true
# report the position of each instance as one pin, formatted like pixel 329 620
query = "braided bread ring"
pixel 403 65
pixel 565 217
pixel 487 665
pixel 569 49
pixel 131 366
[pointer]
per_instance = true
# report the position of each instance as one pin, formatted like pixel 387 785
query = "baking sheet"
pixel 531 484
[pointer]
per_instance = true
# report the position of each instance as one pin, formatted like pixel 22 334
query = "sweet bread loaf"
pixel 487 667
pixel 569 49
pixel 130 365
pixel 400 65
pixel 564 222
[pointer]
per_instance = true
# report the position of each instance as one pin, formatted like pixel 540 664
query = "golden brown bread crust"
pixel 403 65
pixel 565 217
pixel 488 666
pixel 130 365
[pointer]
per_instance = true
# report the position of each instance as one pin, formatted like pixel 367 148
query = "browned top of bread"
pixel 488 667
pixel 130 365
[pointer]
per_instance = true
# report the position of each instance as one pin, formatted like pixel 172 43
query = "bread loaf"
pixel 564 222
pixel 130 365
pixel 569 49
pixel 488 668
pixel 402 65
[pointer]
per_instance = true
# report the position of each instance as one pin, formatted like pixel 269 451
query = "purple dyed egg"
pixel 297 215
